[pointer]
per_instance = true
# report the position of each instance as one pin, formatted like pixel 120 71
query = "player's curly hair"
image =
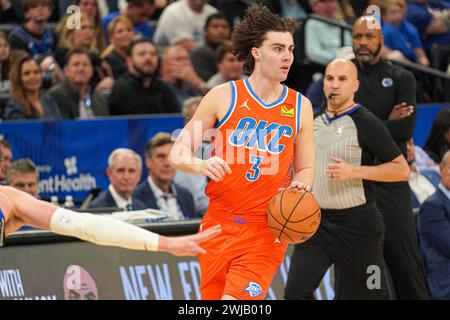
pixel 252 30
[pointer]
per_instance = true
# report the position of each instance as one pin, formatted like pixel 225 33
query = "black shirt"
pixel 129 96
pixel 117 63
pixel 382 86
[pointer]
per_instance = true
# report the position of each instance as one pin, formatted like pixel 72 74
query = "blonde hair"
pixel 65 32
pixel 111 30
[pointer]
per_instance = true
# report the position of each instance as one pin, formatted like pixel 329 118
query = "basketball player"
pixel 18 208
pixel 262 127
pixel 348 138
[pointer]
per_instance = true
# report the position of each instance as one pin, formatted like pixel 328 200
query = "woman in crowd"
pixel 27 99
pixel 121 33
pixel 4 62
pixel 438 142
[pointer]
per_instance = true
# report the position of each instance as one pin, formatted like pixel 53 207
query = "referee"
pixel 348 138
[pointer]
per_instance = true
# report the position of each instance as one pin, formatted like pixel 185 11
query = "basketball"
pixel 293 215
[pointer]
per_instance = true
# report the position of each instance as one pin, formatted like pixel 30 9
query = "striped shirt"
pixel 358 137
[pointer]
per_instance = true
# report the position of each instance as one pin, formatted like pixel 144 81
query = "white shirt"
pixel 166 201
pixel 421 186
pixel 178 22
pixel 85 108
pixel 120 202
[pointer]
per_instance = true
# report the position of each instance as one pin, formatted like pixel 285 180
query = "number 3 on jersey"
pixel 254 172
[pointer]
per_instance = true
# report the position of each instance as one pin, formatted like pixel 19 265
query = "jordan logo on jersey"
pixel 288 110
pixel 250 133
pixel 245 105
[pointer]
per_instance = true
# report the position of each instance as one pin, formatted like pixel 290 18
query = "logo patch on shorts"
pixel 254 289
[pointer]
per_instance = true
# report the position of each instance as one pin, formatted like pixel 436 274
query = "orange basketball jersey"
pixel 257 142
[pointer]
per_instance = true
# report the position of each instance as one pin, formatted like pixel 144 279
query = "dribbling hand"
pixel 299 185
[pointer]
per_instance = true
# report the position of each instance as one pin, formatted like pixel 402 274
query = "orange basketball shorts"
pixel 241 261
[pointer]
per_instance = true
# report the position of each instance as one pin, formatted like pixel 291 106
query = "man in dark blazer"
pixel 124 171
pixel 434 235
pixel 158 191
pixel 74 95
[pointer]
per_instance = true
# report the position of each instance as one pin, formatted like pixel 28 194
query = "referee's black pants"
pixel 352 239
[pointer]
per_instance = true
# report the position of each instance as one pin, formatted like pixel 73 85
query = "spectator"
pixel 138 11
pixel 431 19
pixel 34 36
pixel 423 161
pixel 124 172
pixel 234 10
pixel 83 37
pixel 434 231
pixel 6 158
pixel 27 99
pixel 89 8
pixel 297 9
pixel 5 51
pixel 103 6
pixel 401 39
pixel 74 95
pixel 217 29
pixel 7 13
pixel 159 191
pixel 323 49
pixel 423 183
pixel 346 11
pixel 230 68
pixel 360 6
pixel 24 175
pixel 438 141
pixel 176 69
pixel 140 91
pixel 121 34
pixel 194 182
pixel 182 22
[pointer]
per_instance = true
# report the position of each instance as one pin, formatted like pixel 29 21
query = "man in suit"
pixel 434 235
pixel 75 97
pixel 124 171
pixel 159 191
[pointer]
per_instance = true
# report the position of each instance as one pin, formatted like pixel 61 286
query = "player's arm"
pixel 97 229
pixel 210 110
pixel 304 148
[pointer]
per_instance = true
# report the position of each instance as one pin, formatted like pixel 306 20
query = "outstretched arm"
pixel 101 230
